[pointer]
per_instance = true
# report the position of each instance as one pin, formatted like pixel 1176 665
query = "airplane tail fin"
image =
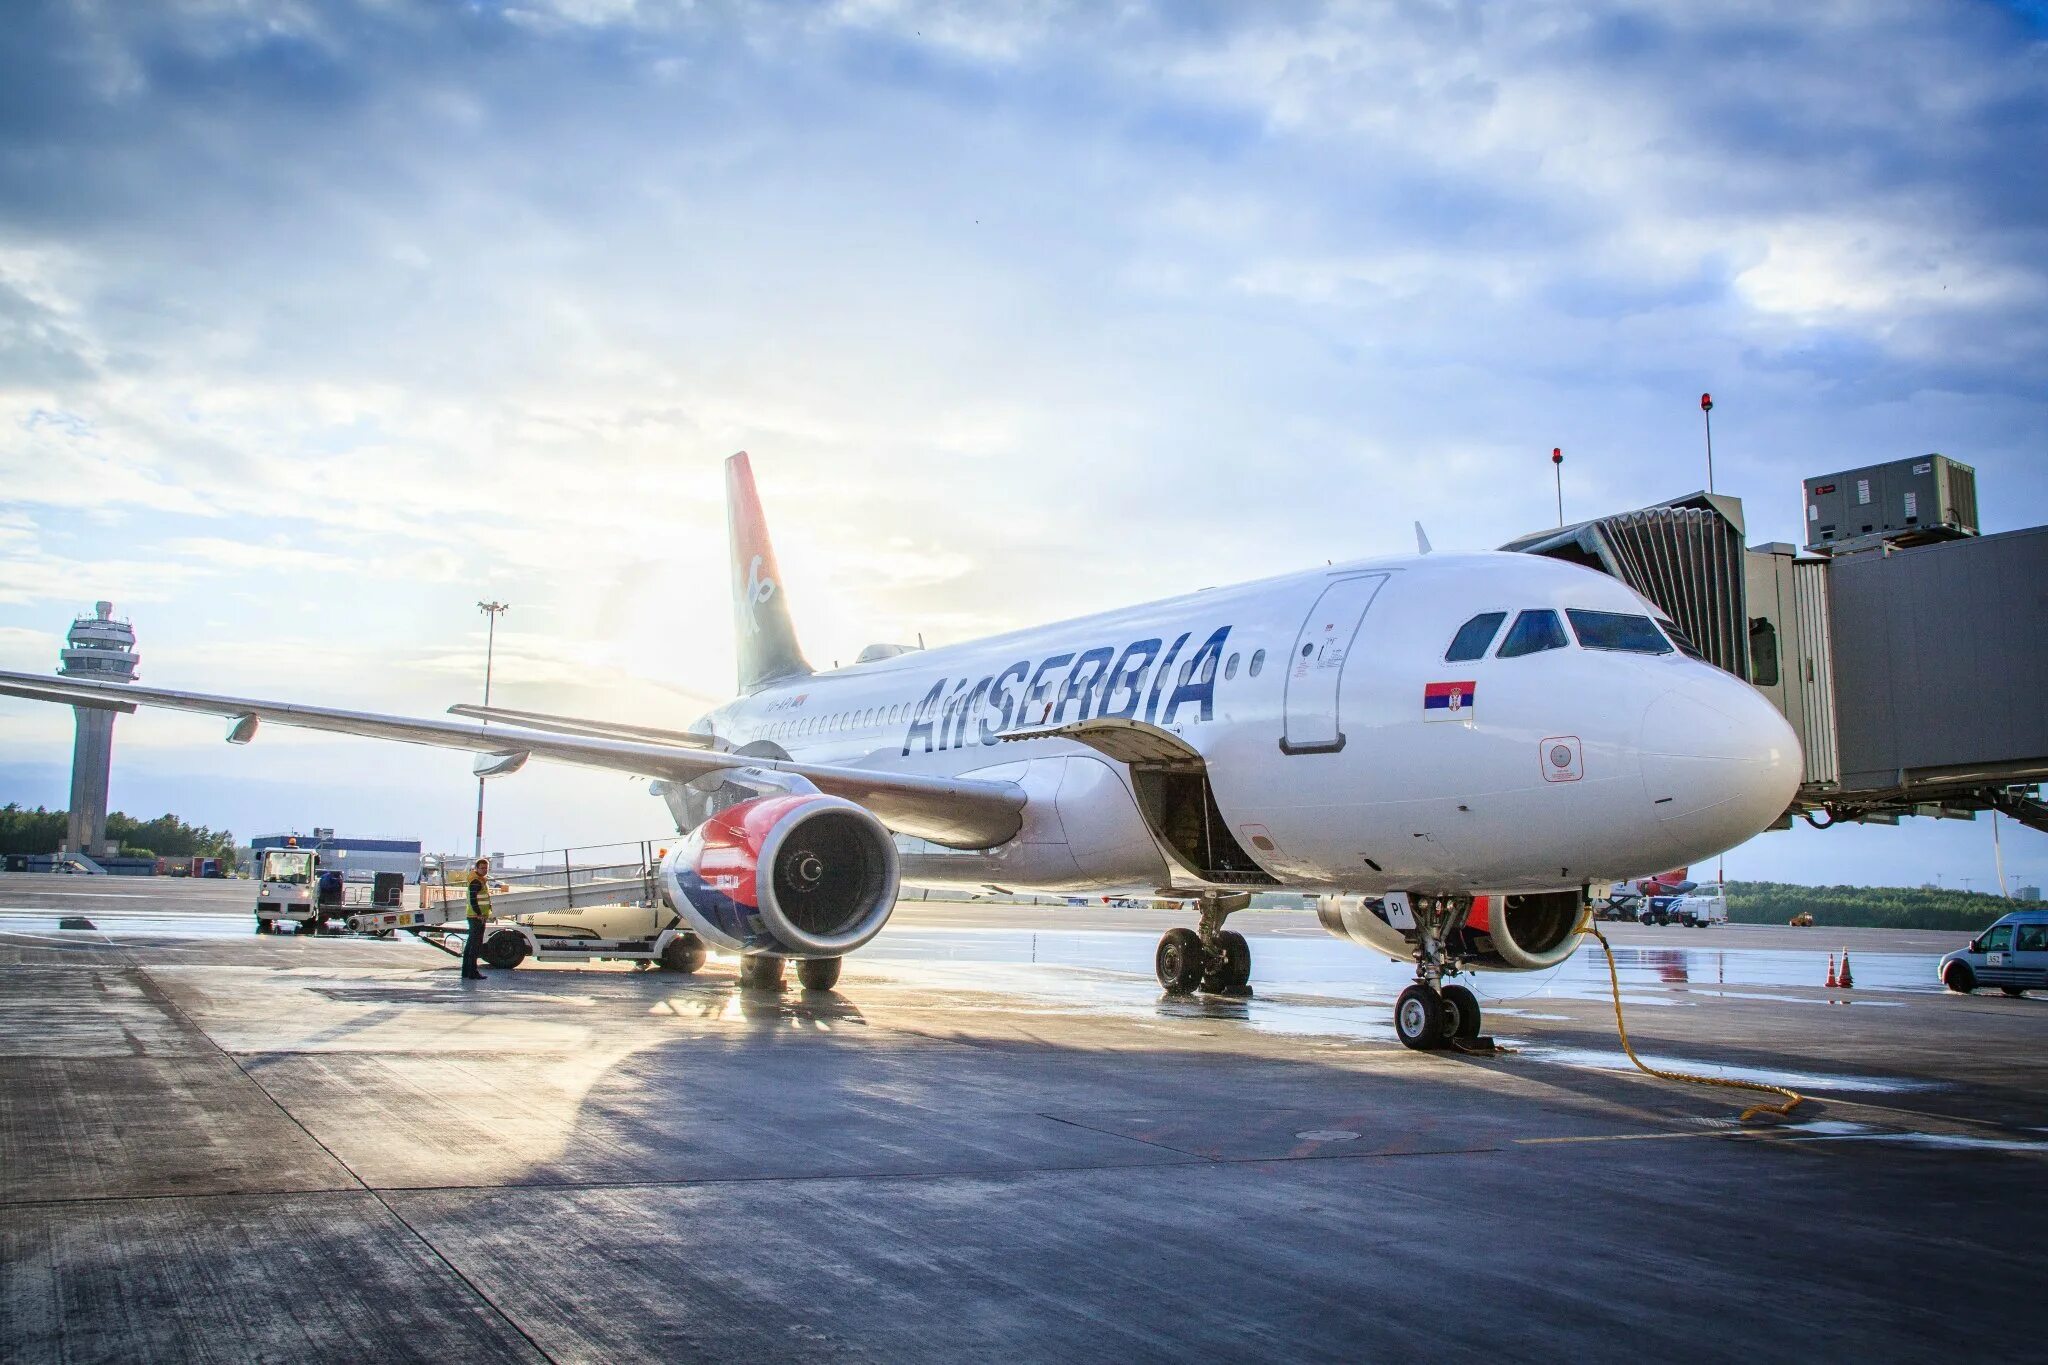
pixel 766 642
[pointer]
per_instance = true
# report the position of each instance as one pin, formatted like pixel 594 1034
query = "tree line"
pixel 1870 907
pixel 42 831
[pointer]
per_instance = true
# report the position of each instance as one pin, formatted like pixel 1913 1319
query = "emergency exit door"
pixel 1315 672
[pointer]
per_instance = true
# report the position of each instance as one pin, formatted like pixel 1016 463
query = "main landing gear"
pixel 1430 1014
pixel 1210 959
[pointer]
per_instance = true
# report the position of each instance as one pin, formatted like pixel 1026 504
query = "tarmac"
pixel 996 1140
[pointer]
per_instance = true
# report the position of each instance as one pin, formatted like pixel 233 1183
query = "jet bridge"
pixel 1909 663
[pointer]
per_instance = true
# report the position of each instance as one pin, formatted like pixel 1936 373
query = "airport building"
pixel 1885 640
pixel 357 859
pixel 99 649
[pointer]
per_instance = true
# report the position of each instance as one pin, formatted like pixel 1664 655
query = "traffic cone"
pixel 1847 982
pixel 1832 983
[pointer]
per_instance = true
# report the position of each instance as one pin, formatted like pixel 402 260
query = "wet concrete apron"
pixel 988 1143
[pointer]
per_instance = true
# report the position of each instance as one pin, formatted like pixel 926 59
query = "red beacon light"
pixel 1557 455
pixel 1706 402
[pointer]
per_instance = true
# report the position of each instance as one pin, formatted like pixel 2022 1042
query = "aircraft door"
pixel 1315 671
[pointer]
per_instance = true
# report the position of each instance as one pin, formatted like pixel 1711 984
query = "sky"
pixel 320 322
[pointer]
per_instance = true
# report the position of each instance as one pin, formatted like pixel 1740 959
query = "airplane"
pixel 1446 749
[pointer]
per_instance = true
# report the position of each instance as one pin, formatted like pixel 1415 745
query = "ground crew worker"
pixel 479 915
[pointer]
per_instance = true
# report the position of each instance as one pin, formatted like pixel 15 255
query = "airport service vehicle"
pixel 674 947
pixel 2011 955
pixel 284 888
pixel 1646 900
pixel 1698 909
pixel 1449 749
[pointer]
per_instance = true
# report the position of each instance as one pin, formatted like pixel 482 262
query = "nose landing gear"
pixel 1211 959
pixel 1429 1014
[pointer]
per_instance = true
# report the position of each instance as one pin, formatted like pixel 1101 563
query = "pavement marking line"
pixel 1629 1137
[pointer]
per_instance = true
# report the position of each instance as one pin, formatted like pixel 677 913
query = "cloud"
pixel 320 321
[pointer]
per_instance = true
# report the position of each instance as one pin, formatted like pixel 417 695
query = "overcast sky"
pixel 319 322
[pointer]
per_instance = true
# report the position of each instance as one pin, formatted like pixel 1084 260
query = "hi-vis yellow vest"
pixel 480 907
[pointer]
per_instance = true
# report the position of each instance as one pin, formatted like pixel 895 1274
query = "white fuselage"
pixel 1309 699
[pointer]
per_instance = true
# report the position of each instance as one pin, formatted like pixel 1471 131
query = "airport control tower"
pixel 102 649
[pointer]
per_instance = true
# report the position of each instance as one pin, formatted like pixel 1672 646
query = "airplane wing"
pixel 572 725
pixel 957 812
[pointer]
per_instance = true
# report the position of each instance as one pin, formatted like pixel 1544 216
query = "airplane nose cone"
pixel 1719 765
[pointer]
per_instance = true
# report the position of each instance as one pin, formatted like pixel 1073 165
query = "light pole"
pixel 1557 468
pixel 1707 415
pixel 491 610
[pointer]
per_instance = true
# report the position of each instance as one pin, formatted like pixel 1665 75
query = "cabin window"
pixel 1532 633
pixel 1617 630
pixel 1474 637
pixel 1258 661
pixel 1230 669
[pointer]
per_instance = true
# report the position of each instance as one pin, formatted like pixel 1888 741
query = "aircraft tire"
pixel 1419 1018
pixel 1231 973
pixel 1180 962
pixel 818 973
pixel 1461 1014
pixel 685 953
pixel 1959 978
pixel 761 972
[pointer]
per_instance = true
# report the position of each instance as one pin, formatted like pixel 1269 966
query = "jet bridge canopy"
pixel 1910 673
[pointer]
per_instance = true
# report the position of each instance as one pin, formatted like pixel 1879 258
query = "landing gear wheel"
pixel 1230 971
pixel 1959 978
pixel 818 973
pixel 1461 1014
pixel 1180 961
pixel 684 953
pixel 504 950
pixel 762 972
pixel 1419 1018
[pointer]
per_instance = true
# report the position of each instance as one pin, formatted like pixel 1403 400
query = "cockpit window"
pixel 1616 630
pixel 1474 636
pixel 1532 633
pixel 1681 639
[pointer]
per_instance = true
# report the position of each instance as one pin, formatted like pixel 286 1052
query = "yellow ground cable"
pixel 1792 1097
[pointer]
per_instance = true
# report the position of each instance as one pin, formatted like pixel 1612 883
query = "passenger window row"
pixel 838 721
pixel 1537 630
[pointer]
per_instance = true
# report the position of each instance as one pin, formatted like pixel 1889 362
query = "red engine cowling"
pixel 1523 933
pixel 800 875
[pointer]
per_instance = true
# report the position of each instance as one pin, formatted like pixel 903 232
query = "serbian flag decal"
pixel 1448 700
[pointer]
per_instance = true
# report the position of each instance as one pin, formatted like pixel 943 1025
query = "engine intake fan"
pixel 798 875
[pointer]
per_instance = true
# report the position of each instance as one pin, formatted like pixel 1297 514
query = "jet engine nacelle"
pixel 1502 933
pixel 797 875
